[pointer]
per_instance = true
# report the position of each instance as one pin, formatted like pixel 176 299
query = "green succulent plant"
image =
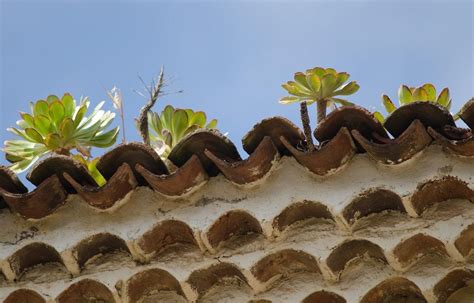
pixel 169 127
pixel 321 86
pixel 91 165
pixel 407 95
pixel 58 125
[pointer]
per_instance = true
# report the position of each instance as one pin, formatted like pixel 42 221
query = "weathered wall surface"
pixel 281 240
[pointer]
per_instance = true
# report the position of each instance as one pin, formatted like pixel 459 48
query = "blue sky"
pixel 229 57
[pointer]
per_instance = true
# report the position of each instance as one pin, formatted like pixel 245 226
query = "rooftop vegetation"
pixel 63 126
pixel 322 86
pixel 407 95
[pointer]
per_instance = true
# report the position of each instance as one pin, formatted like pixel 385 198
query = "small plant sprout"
pixel 321 86
pixel 115 96
pixel 407 95
pixel 58 125
pixel 169 127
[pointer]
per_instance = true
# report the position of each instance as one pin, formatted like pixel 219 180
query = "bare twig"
pixel 155 92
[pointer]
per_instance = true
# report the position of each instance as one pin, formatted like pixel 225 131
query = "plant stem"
pixel 321 107
pixel 63 151
pixel 306 125
pixel 122 116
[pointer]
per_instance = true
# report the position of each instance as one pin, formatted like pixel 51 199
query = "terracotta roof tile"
pixel 465 242
pixel 428 113
pixel 455 280
pixel 42 201
pixel 197 143
pixel 416 247
pixel 254 168
pixel 149 282
pixel 164 235
pixel 350 250
pixel 395 289
pixel 324 296
pixel 467 114
pixel 284 262
pixel 393 151
pixel 203 279
pixel 117 187
pixel 58 165
pixel 327 158
pixel 24 295
pixel 438 190
pixel 9 182
pixel 231 224
pixel 183 180
pixel 131 153
pixel 372 201
pixel 350 117
pixel 98 244
pixel 32 255
pixel 299 211
pixel 86 290
pixel 275 128
pixel 463 147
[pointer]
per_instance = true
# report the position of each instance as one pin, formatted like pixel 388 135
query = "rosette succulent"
pixel 58 125
pixel 169 127
pixel 322 86
pixel 407 95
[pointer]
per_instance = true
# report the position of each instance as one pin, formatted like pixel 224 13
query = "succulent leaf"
pixel 289 99
pixel 300 79
pixel 389 106
pixel 28 119
pixel 34 135
pixel 341 78
pixel 52 141
pixel 51 98
pixel 212 124
pixel 430 91
pixel 379 117
pixel 419 94
pixel 198 118
pixel 169 127
pixel 179 124
pixel 314 82
pixel 443 98
pixel 41 108
pixel 343 102
pixel 348 89
pixel 328 84
pixel 404 95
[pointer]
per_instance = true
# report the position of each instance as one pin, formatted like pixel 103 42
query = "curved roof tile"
pixel 197 142
pixel 132 153
pixel 275 128
pixel 393 151
pixel 430 115
pixel 326 158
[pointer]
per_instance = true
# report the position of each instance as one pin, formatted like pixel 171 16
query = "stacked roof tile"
pixel 215 219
